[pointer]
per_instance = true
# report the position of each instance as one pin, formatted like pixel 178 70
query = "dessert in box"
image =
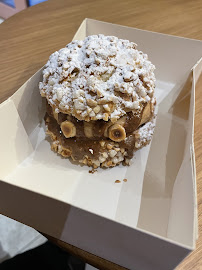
pixel 148 222
pixel 100 100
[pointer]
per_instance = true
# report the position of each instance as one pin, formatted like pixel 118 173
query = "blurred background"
pixel 10 7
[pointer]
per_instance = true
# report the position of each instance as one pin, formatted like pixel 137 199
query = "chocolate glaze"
pixel 99 128
pixel 80 146
pixel 129 145
pixel 131 124
pixel 49 109
pixel 61 117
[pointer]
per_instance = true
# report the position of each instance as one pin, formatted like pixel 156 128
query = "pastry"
pixel 100 100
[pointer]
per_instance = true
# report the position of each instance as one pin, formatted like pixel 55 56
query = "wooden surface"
pixel 29 37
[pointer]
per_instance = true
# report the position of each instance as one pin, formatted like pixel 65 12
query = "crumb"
pixel 93 171
pixel 125 180
pixel 91 150
pixel 117 181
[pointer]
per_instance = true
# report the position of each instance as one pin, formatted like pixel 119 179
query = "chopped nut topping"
pixel 97 71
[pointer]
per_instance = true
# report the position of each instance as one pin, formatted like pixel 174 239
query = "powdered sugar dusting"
pixel 145 133
pixel 101 77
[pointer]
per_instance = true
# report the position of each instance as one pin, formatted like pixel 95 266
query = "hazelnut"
pixel 117 133
pixel 68 129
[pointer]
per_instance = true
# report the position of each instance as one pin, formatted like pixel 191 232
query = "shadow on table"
pixel 46 256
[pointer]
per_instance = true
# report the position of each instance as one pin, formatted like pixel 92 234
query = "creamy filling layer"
pixel 81 146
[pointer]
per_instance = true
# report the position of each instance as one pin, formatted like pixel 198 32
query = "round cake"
pixel 100 100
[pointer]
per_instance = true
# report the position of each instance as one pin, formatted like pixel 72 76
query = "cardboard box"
pixel 149 222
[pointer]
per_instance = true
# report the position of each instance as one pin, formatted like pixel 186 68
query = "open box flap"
pixel 14 143
pixel 29 103
pixel 197 71
pixel 187 200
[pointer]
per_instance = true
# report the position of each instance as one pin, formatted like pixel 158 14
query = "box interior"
pixel 159 194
